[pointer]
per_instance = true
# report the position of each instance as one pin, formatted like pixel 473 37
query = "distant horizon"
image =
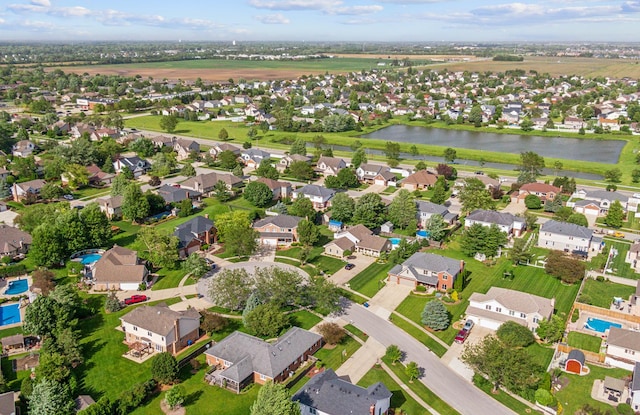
pixel 333 42
pixel 574 21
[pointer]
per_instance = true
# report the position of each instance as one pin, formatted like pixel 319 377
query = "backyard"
pixel 601 293
pixel 620 267
pixel 584 341
pixel 400 399
pixel 368 282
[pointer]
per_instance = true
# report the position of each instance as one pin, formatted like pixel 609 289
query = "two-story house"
pixel 623 348
pixel 430 270
pixel 160 329
pixel 357 238
pixel 425 210
pixel 13 241
pixel 23 148
pixel 542 190
pixel 508 223
pixel 634 388
pixel 420 180
pixel 220 147
pixel 172 194
pixel 598 202
pixel 498 305
pixel 241 359
pixel 193 234
pixel 330 166
pixel 280 190
pixel 327 394
pixel 252 157
pixel 111 206
pixel 280 230
pixel 289 159
pixel 320 196
pixel 185 148
pixel 205 183
pixel 376 174
pixel 137 165
pixel 27 189
pixel 567 237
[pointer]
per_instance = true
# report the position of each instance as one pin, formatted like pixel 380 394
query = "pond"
pixel 602 151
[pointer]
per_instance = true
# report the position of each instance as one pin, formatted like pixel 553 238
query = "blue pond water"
pixel 600 326
pixel 17 287
pixel 9 314
pixel 88 259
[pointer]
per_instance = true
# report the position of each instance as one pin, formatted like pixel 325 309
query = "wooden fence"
pixel 589 356
pixel 608 313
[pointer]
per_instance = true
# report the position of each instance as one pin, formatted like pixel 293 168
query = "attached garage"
pixel 129 286
pixel 485 322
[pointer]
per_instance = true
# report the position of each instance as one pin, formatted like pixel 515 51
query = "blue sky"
pixel 318 20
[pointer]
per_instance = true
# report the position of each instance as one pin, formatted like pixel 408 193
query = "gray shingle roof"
pixel 283 221
pixel 576 354
pixel 327 393
pixel 624 338
pixel 635 382
pixel 429 207
pixel 172 194
pixel 604 195
pixel 491 216
pixel 433 262
pixel 315 190
pixel 567 229
pixel 517 300
pixel 190 230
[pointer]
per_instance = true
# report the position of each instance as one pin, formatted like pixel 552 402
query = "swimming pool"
pixel 88 259
pixel 600 326
pixel 10 314
pixel 17 287
pixel 395 241
pixel 422 234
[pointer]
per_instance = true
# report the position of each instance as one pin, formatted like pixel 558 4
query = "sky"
pixel 320 20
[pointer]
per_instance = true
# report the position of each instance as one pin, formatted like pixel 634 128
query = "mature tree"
pixel 569 270
pixel 532 202
pixel 258 194
pixel 486 240
pixel 447 171
pixel 393 353
pixel 513 335
pixel 436 226
pixel 412 370
pixel 274 398
pixel 265 169
pixel 435 315
pixel 421 165
pixel 223 134
pixel 188 170
pixel 51 398
pixel 474 196
pixel 370 210
pixel 403 251
pixel 347 179
pixel 332 333
pixel 163 164
pixel 301 170
pixel 299 147
pixel 552 205
pixel 48 249
pixel 402 210
pixel 279 286
pixel 112 303
pixel 143 147
pixel 392 150
pixel 308 233
pixel 615 215
pixel 303 207
pixel 41 316
pixel 212 322
pixel 267 320
pixel 578 219
pixel 175 397
pixel 160 248
pixel 519 252
pixel 439 191
pixel 195 265
pixel 134 205
pixel 119 185
pixel 563 214
pixel 185 207
pixel 450 155
pixel 51 191
pixel 323 294
pixel 164 368
pixel 613 175
pixel 531 165
pixel 227 159
pixel 237 171
pixel 97 226
pixel 552 330
pixel 234 229
pixel 221 191
pixel 475 115
pixel 359 157
pixel 169 123
pixel 342 207
pixel 77 176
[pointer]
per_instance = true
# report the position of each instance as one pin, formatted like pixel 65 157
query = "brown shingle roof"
pixel 421 177
pixel 158 319
pixel 119 265
pixel 12 238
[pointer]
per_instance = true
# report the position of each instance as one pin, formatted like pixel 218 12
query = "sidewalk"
pixel 362 360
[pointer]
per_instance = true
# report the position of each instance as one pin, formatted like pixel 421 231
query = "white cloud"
pixel 406 2
pixel 44 3
pixel 295 4
pixel 77 11
pixel 272 19
pixel 356 10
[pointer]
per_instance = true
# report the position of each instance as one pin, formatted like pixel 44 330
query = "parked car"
pixel 468 325
pixel 135 299
pixel 462 336
pixel 618 234
pixel 349 266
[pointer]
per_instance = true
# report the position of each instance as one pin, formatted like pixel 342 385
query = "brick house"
pixel 427 269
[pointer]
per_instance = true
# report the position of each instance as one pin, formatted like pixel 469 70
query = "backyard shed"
pixel 11 343
pixel 575 362
pixel 386 227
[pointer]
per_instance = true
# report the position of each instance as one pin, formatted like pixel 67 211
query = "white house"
pixel 567 237
pixel 498 305
pixel 634 388
pixel 510 224
pixel 623 348
pixel 320 196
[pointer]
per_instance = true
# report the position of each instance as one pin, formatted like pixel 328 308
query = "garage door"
pixel 270 242
pixel 129 286
pixel 488 323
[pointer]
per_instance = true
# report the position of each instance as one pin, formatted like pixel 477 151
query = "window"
pixel 149 334
pixel 512 313
pixel 263 377
pixel 445 276
pixel 444 286
pixel 488 307
pixel 536 319
pixel 523 315
pixel 158 347
pixel 135 328
pixel 499 309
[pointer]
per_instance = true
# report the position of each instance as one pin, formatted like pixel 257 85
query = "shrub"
pixel 600 278
pixel 112 304
pixel 175 397
pixel 532 202
pixel 575 316
pixel 213 322
pixel 625 409
pixel 164 368
pixel 544 397
pixel 332 333
pixel 513 334
pixel 421 289
pixel 393 353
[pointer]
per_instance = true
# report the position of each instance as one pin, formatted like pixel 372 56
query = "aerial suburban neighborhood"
pixel 400 237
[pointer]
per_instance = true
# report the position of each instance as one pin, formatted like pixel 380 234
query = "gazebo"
pixel 614 388
pixel 13 343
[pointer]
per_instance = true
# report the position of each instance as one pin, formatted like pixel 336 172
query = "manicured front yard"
pixel 501 396
pixel 304 319
pixel 601 293
pixel 584 341
pixel 368 282
pixel 336 356
pixel 400 400
pixel 419 335
pixel 323 263
pixel 168 278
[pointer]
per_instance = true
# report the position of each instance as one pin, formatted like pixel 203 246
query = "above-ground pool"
pixel 601 326
pixel 395 241
pixel 422 234
pixel 88 259
pixel 17 287
pixel 10 314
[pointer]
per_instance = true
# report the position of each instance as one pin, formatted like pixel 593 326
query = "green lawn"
pixel 578 391
pixel 304 319
pixel 168 278
pixel 502 397
pixel 309 269
pixel 601 293
pixel 619 266
pixel 333 358
pixel 14 379
pixel 352 296
pixel 367 282
pixel 584 341
pixel 400 400
pixel 541 354
pixel 356 332
pixel 419 335
pixel 421 390
pixel 327 264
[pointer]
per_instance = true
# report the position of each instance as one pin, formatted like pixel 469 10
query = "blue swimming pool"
pixel 17 287
pixel 422 234
pixel 395 241
pixel 601 326
pixel 88 259
pixel 10 314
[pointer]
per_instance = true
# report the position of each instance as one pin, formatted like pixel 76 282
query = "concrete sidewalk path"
pixel 362 360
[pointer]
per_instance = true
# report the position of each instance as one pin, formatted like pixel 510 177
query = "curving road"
pixel 453 389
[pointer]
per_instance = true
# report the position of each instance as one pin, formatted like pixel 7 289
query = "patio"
pixel 139 352
pixel 610 390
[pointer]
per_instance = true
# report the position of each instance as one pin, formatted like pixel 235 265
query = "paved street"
pixel 453 389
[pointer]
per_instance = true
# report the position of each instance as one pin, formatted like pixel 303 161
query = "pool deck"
pixel 22 312
pixel 8 280
pixel 585 315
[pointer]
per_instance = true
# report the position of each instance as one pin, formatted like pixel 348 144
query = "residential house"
pixel 242 359
pixel 194 233
pixel 13 241
pixel 99 134
pixel 623 348
pixel 498 305
pixel 172 194
pixel 327 394
pixel 508 223
pixel 361 239
pixel 119 269
pixel 488 182
pixel 542 190
pixel 567 237
pixel 598 202
pixel 376 174
pixel 280 190
pixel 111 206
pixel 610 125
pixel 252 157
pixel 4 173
pixel 574 123
pixel 420 180
pixel 8 403
pixel 289 159
pixel 205 183
pixel 137 165
pixel 320 196
pixel 22 190
pixel 23 148
pixel 161 141
pixel 431 270
pixel 634 388
pixel 97 177
pixel 161 329
pixel 330 166
pixel 220 147
pixel 427 209
pixel 185 148
pixel 280 230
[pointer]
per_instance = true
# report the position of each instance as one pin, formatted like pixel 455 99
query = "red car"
pixel 462 336
pixel 135 299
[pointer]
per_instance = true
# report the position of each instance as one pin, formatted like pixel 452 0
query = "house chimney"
pixel 461 265
pixel 206 216
pixel 176 327
pixel 372 409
